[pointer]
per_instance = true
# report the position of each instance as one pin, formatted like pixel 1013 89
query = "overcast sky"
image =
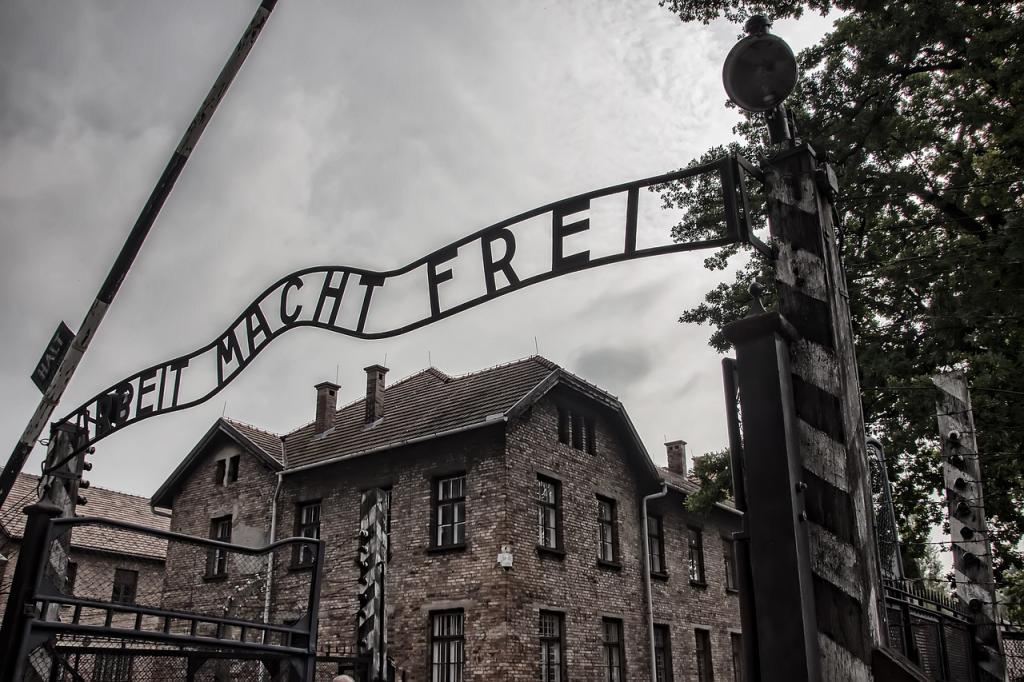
pixel 357 133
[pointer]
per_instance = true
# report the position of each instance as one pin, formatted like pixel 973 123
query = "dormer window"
pixel 226 470
pixel 577 429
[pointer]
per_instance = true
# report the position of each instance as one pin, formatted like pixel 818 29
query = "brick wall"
pixel 684 606
pixel 420 579
pixel 574 584
pixel 501 608
pixel 199 500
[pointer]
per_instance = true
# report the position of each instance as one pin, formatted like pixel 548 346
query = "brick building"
pixel 525 457
pixel 103 565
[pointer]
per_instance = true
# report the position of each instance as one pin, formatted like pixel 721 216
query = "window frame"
pixel 577 429
pixel 234 463
pixel 219 471
pixel 437 503
pixel 433 666
pixel 732 582
pixel 217 555
pixel 695 556
pixel 543 507
pixel 736 642
pixel 124 592
pixel 302 555
pixel 611 525
pixel 705 667
pixel 618 646
pixel 546 640
pixel 656 540
pixel 666 652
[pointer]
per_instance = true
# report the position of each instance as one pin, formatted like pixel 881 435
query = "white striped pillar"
pixel 812 296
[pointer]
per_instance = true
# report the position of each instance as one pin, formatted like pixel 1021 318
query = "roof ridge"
pixel 239 422
pixel 540 359
pixel 589 383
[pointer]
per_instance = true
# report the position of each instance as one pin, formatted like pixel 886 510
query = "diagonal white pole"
pixel 130 249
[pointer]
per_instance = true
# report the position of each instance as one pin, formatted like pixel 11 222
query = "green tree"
pixel 919 105
pixel 712 473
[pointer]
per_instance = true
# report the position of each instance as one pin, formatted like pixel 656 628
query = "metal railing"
pixel 152 593
pixel 931 629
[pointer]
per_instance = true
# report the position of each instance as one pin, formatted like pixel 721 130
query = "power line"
pixel 993 183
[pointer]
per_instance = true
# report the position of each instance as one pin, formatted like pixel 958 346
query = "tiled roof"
pixel 269 443
pixel 424 404
pixel 677 480
pixel 103 503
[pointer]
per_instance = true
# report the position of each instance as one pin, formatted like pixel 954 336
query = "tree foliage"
pixel 920 106
pixel 712 473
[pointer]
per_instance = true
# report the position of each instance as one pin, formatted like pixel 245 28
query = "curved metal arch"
pixel 157 389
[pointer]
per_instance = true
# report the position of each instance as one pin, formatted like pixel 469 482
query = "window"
pixel 125 584
pixel 656 545
pixel 695 538
pixel 731 577
pixel 70 578
pixel 607 532
pixel 613 654
pixel 450 511
pixel 217 561
pixel 233 469
pixel 226 470
pixel 705 673
pixel 737 656
pixel 662 654
pixel 112 668
pixel 552 663
pixel 549 500
pixel 447 646
pixel 577 430
pixel 307 525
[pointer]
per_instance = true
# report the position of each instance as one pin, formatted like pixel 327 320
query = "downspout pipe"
pixel 270 556
pixel 647 575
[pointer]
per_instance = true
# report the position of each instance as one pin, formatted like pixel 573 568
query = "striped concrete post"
pixel 812 296
pixel 972 565
pixel 371 619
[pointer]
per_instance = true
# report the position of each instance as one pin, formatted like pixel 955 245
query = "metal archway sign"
pixel 347 300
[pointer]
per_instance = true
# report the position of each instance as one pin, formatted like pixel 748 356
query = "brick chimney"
pixel 677 456
pixel 375 392
pixel 326 405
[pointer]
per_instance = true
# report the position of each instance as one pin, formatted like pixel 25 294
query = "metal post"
pixel 972 551
pixel 130 249
pixel 313 610
pixel 786 627
pixel 21 607
pixel 741 540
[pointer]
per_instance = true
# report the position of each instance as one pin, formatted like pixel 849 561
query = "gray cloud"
pixel 358 133
pixel 616 369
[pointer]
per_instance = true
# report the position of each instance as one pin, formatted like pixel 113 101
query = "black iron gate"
pixel 208 615
pixel 930 629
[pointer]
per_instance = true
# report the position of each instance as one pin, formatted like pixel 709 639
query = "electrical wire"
pixel 993 183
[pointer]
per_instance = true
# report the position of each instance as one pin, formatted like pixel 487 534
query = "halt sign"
pixel 55 351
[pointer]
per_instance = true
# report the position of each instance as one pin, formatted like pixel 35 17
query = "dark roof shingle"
pixel 424 404
pixel 103 503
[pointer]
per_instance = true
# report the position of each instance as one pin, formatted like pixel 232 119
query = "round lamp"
pixel 761 70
